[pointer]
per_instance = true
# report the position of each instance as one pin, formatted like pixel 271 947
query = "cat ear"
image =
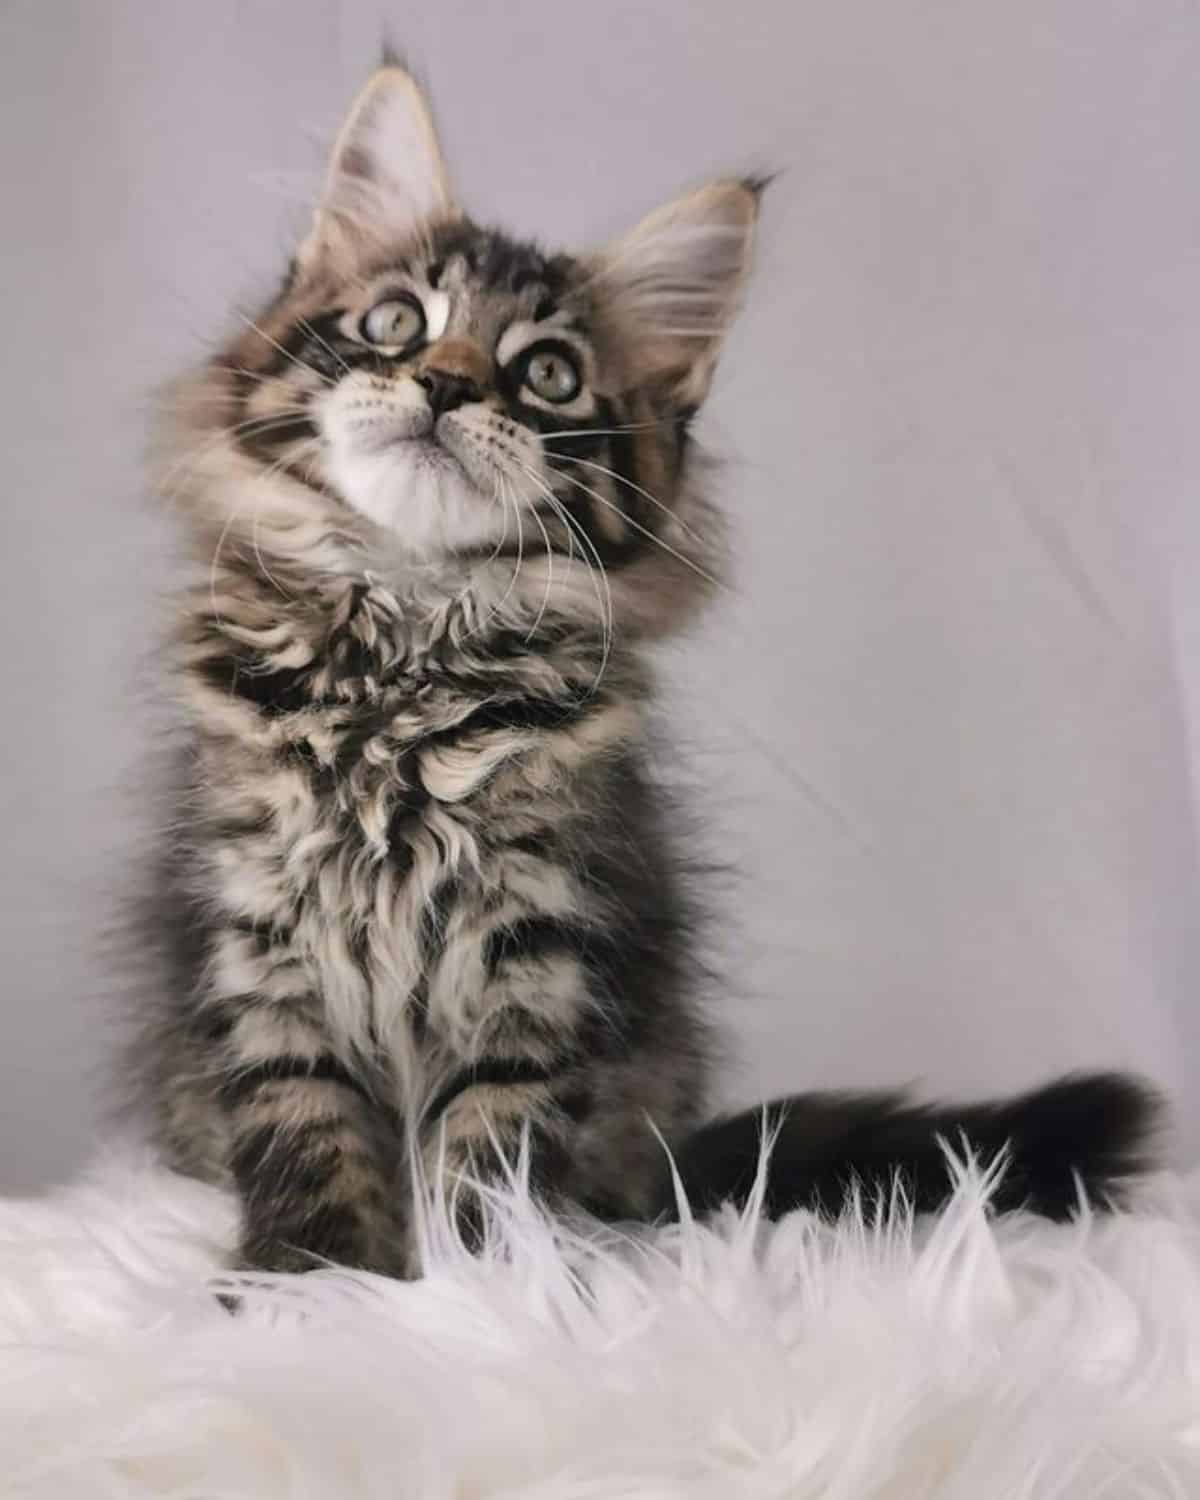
pixel 386 177
pixel 673 285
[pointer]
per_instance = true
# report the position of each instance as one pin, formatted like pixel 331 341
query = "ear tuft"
pixel 386 178
pixel 758 183
pixel 390 56
pixel 674 283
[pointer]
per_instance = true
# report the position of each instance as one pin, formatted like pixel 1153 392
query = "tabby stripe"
pixel 324 1069
pixel 266 935
pixel 432 937
pixel 517 713
pixel 536 937
pixel 213 1024
pixel 624 462
pixel 321 1137
pixel 282 1145
pixel 229 830
pixel 336 1228
pixel 305 1165
pixel 266 440
pixel 579 444
pixel 539 843
pixel 495 1072
pixel 275 692
pixel 584 509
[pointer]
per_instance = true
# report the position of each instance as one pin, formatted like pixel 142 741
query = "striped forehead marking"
pixel 525 331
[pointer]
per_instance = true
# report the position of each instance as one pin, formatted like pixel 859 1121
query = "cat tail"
pixel 1084 1136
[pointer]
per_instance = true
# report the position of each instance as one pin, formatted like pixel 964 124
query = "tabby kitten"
pixel 419 894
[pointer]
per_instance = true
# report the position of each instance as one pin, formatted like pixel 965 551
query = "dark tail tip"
pixel 1097 1131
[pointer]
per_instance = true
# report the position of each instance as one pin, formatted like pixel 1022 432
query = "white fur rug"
pixel 965 1361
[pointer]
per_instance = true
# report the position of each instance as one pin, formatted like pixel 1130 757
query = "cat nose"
pixel 445 390
pixel 453 372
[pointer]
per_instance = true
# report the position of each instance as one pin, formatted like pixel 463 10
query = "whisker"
pixel 254 525
pixel 192 458
pixel 653 499
pixel 607 431
pixel 238 510
pixel 222 367
pixel 287 353
pixel 502 495
pixel 646 532
pixel 598 574
pixel 278 418
pixel 533 629
pixel 512 582
pixel 201 399
pixel 328 348
pixel 259 375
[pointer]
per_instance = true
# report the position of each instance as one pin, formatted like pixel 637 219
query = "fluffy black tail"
pixel 1093 1131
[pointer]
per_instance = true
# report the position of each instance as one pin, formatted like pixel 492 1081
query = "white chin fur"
pixel 381 458
pixel 419 494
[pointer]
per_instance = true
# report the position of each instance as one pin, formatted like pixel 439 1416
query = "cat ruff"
pixel 958 1359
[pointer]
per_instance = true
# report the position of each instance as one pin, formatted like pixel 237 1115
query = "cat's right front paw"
pixel 321 1241
pixel 263 1253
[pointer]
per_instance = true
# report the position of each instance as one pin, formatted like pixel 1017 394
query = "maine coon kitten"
pixel 418 893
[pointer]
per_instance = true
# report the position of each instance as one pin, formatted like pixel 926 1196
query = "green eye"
pixel 395 322
pixel 553 375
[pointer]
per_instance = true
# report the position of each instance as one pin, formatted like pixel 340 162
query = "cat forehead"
pixel 462 256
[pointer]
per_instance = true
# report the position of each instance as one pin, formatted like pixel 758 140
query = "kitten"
pixel 420 895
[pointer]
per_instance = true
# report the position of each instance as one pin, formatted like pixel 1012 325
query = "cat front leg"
pixel 308 1145
pixel 513 1013
pixel 503 1117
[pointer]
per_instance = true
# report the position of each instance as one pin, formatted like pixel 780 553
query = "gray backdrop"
pixel 940 726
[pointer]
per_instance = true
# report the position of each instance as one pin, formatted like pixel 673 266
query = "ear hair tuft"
pixel 391 55
pixel 758 182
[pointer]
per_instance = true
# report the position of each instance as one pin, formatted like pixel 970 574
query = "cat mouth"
pixel 431 454
pixel 437 449
pixel 424 449
pixel 462 446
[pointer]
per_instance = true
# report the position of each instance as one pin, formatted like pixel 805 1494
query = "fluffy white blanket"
pixel 963 1358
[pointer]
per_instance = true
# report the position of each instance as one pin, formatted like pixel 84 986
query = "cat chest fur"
pixel 377 826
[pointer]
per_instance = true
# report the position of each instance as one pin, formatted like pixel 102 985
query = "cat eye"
pixel 552 374
pixel 395 322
